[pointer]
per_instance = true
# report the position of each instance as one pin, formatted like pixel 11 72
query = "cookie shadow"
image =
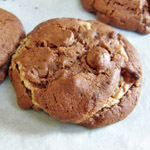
pixel 30 122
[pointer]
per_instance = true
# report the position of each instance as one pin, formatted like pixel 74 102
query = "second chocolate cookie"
pixel 131 15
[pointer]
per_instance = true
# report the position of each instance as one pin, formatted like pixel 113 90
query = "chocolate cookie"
pixel 11 32
pixel 131 15
pixel 77 71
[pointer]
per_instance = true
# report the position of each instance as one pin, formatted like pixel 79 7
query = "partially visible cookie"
pixel 11 33
pixel 77 71
pixel 131 15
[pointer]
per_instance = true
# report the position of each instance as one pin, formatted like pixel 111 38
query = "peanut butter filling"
pixel 87 25
pixel 27 84
pixel 120 49
pixel 119 92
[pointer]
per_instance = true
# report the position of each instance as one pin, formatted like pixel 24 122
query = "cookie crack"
pixel 146 8
pixel 118 3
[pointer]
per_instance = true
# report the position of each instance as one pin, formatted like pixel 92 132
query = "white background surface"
pixel 30 130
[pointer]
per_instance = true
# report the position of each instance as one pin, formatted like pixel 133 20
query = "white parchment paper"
pixel 30 130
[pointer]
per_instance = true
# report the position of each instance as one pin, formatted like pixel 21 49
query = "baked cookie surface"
pixel 131 15
pixel 11 32
pixel 77 71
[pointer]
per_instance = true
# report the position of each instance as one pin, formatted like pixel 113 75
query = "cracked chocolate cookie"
pixel 11 32
pixel 77 71
pixel 131 15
